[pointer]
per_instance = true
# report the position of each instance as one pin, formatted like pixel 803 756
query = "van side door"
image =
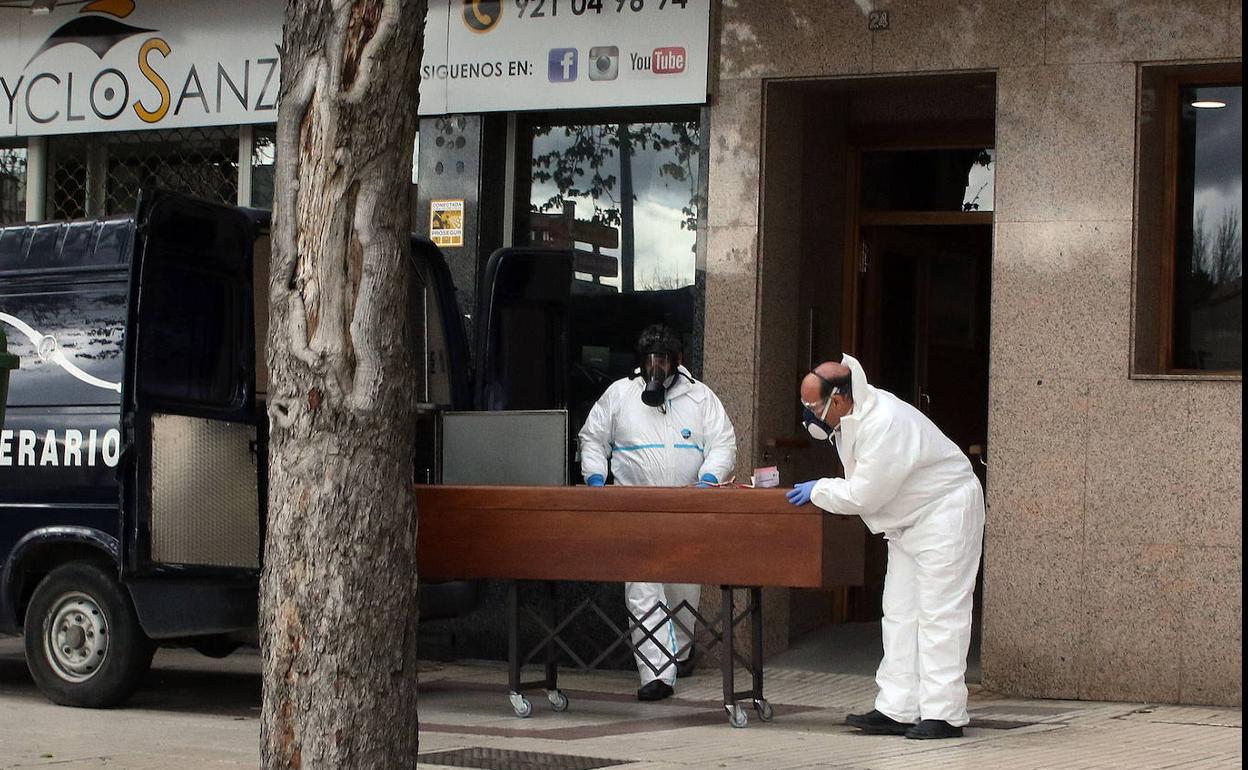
pixel 191 490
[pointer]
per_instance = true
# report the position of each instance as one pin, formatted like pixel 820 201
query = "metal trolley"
pixel 709 633
pixel 537 537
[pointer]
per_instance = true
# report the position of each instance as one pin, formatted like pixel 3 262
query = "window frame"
pixel 1172 84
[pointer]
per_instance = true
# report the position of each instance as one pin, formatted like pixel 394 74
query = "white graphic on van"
pixel 50 350
pixel 70 448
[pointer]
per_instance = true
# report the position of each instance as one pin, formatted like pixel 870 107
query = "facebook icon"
pixel 561 65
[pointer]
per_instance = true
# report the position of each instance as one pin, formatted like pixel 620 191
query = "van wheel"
pixel 84 645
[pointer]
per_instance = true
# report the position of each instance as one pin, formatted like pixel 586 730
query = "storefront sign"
pixel 113 65
pixel 483 56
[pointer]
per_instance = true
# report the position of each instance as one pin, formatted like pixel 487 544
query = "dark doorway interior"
pixel 925 316
pixel 890 261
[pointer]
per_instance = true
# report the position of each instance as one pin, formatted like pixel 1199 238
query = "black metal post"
pixel 513 635
pixel 756 643
pixel 552 653
pixel 726 653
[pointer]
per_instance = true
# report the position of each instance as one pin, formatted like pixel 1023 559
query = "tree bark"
pixel 338 592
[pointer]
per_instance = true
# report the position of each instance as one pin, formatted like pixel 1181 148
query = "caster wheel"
pixel 764 710
pixel 737 716
pixel 558 701
pixel 520 704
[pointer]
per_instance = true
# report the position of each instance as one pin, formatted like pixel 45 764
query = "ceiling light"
pixel 1208 104
pixel 42 7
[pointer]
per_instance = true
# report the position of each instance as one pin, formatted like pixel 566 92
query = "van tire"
pixel 101 652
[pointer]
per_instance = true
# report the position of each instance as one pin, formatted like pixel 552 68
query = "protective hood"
pixel 864 394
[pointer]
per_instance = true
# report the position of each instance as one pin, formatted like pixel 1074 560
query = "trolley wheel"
pixel 558 701
pixel 765 712
pixel 520 704
pixel 737 716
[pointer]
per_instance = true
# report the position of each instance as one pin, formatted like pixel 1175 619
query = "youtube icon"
pixel 668 61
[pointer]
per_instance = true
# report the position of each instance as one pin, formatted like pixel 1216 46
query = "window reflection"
pixel 12 184
pixel 928 180
pixel 1209 258
pixel 263 161
pixel 625 195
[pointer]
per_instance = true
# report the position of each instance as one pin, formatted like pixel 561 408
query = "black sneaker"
pixel 684 668
pixel 875 723
pixel 656 690
pixel 932 729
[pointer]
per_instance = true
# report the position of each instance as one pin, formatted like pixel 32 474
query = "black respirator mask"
pixel 815 425
pixel 659 372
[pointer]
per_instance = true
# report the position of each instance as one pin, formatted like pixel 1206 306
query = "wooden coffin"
pixel 748 537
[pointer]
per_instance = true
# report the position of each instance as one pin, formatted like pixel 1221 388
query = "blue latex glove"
pixel 800 494
pixel 708 481
pixel 596 480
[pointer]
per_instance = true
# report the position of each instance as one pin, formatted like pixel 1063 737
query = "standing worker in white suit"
pixel 659 428
pixel 906 479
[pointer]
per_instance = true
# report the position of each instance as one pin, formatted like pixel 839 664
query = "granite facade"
pixel 1113 563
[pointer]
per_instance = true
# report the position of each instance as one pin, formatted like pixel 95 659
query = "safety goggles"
pixel 815 425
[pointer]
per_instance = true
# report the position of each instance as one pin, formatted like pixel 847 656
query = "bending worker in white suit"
pixel 660 428
pixel 907 480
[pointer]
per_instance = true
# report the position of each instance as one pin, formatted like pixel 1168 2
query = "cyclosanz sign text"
pixel 112 65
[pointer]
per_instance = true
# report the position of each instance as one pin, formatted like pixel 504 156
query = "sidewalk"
pixel 465 706
pixel 196 712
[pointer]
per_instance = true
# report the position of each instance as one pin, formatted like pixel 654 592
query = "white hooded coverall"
pixel 906 479
pixel 670 447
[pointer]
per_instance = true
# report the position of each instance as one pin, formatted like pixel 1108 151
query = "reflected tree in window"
pixel 638 177
pixel 1209 255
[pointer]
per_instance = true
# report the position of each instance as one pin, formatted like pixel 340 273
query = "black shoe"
pixel 875 723
pixel 685 667
pixel 656 690
pixel 930 729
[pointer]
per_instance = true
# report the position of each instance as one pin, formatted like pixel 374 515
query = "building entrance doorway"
pixel 919 283
pixel 889 259
pixel 924 293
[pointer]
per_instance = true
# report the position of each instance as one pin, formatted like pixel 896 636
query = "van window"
pixel 68 342
pixel 190 336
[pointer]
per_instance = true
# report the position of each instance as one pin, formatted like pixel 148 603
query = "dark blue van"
pixel 133 453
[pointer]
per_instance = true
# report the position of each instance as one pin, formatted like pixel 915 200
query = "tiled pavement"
pixel 197 712
pixel 690 730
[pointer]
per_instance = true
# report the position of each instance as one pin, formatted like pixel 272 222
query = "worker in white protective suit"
pixel 660 428
pixel 906 479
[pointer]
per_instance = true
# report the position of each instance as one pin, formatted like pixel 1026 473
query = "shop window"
pixel 1189 233
pixel 12 183
pixel 101 174
pixel 263 162
pixel 624 194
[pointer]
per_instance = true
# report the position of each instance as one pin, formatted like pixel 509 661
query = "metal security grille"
pixel 12 183
pixel 101 174
pixel 507 759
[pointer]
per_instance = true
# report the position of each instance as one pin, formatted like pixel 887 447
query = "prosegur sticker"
pixel 446 222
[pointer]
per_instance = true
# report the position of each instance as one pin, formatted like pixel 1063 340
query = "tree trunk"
pixel 338 592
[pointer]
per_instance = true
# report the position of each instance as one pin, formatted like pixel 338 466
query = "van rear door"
pixel 191 496
pixel 522 330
